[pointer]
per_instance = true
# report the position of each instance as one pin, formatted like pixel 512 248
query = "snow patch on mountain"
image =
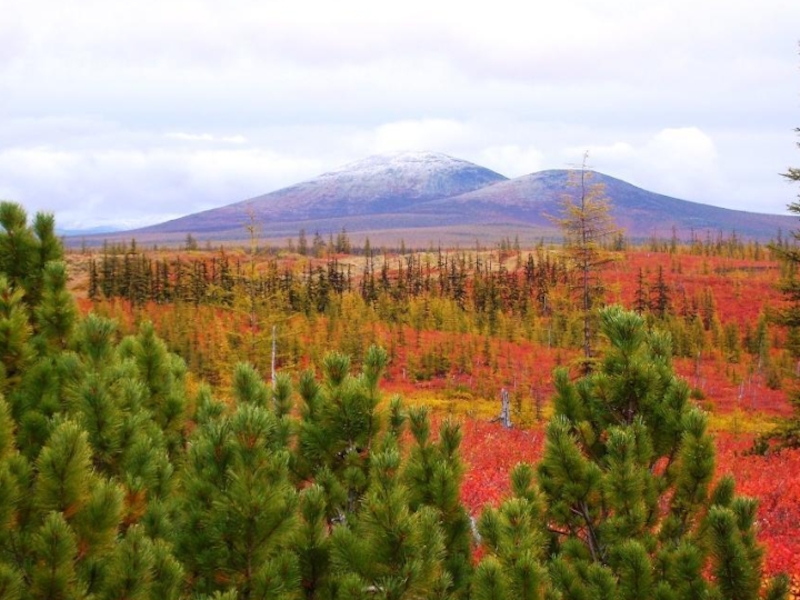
pixel 406 163
pixel 401 178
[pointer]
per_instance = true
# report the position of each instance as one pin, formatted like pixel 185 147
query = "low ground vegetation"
pixel 127 474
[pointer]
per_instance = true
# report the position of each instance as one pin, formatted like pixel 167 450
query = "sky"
pixel 118 113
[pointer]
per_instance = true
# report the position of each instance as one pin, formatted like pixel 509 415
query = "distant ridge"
pixel 88 231
pixel 433 196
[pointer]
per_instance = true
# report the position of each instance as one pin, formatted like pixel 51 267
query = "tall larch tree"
pixel 586 223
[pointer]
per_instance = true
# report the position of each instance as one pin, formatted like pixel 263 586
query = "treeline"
pixel 216 280
pixel 470 280
pixel 395 299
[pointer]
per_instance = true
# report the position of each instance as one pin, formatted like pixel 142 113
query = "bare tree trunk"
pixel 505 409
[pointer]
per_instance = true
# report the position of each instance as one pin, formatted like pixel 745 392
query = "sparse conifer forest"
pixel 321 420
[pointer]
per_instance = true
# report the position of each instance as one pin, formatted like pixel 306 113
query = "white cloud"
pixel 683 146
pixel 680 161
pixel 422 134
pixel 142 187
pixel 512 160
pixel 685 161
pixel 206 137
pixel 168 106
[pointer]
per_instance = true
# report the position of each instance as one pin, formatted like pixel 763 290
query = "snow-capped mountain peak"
pixel 405 162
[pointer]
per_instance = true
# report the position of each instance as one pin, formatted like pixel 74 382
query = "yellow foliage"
pixel 739 421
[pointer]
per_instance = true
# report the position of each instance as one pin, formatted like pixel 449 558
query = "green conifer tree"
pixel 162 374
pixel 515 539
pixel 373 524
pixel 11 574
pixel 387 550
pixel 18 248
pixel 55 549
pixel 55 315
pixel 433 474
pixel 16 352
pixel 238 511
pixel 340 422
pixel 627 481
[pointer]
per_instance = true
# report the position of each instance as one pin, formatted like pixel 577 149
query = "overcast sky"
pixel 130 113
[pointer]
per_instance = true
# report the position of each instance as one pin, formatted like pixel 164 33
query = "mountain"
pixel 530 201
pixel 379 184
pixel 424 197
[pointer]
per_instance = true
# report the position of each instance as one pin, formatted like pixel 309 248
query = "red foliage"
pixel 724 395
pixel 490 451
pixel 775 481
pixel 741 288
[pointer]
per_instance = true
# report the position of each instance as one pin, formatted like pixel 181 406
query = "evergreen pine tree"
pixel 627 481
pixel 238 509
pixel 16 352
pixel 312 544
pixel 48 249
pixel 55 549
pixel 11 575
pixel 515 539
pixel 55 315
pixel 340 421
pixel 372 524
pixel 162 374
pixel 18 251
pixel 387 550
pixel 433 474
